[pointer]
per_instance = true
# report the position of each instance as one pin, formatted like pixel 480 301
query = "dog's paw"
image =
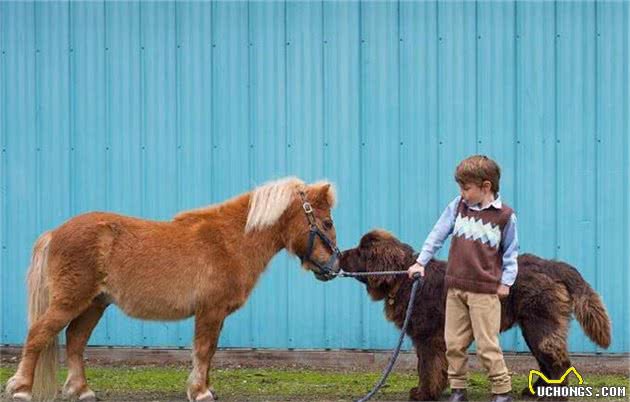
pixel 418 394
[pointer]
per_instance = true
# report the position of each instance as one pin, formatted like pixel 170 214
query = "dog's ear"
pixel 368 240
pixel 375 236
pixel 383 255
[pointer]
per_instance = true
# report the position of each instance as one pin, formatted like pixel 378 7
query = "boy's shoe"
pixel 502 397
pixel 458 395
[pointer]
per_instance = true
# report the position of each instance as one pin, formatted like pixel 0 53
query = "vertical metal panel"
pixel 54 108
pixel 21 220
pixel 194 106
pixel 3 177
pixel 305 154
pixel 457 132
pixel 612 165
pixel 341 134
pixel 496 88
pixel 626 171
pixel 3 174
pixel 150 108
pixel 419 117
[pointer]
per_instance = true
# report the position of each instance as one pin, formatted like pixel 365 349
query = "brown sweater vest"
pixel 475 260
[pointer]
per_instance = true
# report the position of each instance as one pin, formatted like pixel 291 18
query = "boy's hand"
pixel 503 291
pixel 415 268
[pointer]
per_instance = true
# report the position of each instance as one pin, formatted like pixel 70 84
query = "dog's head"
pixel 378 250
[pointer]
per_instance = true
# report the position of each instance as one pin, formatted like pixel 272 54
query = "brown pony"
pixel 204 263
pixel 541 301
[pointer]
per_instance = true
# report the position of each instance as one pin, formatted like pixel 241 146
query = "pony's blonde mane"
pixel 269 201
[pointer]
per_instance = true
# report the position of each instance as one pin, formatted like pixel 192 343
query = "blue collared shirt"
pixel 444 227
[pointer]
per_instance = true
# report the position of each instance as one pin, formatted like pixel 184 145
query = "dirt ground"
pixel 347 360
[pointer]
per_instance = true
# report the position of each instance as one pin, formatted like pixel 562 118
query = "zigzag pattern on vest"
pixel 473 229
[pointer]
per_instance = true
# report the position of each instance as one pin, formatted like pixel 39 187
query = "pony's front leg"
pixel 208 325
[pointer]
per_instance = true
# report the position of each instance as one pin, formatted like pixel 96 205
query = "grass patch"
pixel 168 383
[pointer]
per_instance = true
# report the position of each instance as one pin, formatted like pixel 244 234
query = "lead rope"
pixel 392 360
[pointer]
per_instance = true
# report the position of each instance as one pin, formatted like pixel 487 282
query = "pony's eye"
pixel 328 224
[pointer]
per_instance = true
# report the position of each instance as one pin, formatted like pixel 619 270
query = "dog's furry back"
pixel 543 290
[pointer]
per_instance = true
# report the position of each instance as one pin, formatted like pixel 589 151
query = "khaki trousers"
pixel 474 316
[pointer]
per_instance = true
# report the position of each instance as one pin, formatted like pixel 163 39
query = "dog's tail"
pixel 587 306
pixel 44 383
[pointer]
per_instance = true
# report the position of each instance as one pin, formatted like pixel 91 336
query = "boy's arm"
pixel 510 247
pixel 442 229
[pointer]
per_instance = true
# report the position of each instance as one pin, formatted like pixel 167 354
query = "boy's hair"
pixel 476 169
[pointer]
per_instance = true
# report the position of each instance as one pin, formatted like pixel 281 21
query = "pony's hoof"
pixel 74 395
pixel 87 396
pixel 207 396
pixel 21 397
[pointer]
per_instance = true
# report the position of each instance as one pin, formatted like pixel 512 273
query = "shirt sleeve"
pixel 510 247
pixel 442 229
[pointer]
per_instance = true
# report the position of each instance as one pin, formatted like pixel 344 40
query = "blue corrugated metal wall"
pixel 151 108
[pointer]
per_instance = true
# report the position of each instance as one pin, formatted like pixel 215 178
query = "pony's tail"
pixel 45 380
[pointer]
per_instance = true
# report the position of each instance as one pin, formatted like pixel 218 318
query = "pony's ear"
pixel 326 193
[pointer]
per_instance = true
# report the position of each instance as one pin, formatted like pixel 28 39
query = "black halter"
pixel 325 270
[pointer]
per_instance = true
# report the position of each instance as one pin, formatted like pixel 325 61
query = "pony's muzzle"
pixel 330 269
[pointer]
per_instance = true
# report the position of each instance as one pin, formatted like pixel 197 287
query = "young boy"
pixel 481 268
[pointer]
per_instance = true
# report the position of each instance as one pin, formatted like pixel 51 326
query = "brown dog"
pixel 541 302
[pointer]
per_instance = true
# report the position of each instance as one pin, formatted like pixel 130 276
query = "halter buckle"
pixel 307 208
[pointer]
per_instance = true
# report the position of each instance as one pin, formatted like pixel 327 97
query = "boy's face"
pixel 474 194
